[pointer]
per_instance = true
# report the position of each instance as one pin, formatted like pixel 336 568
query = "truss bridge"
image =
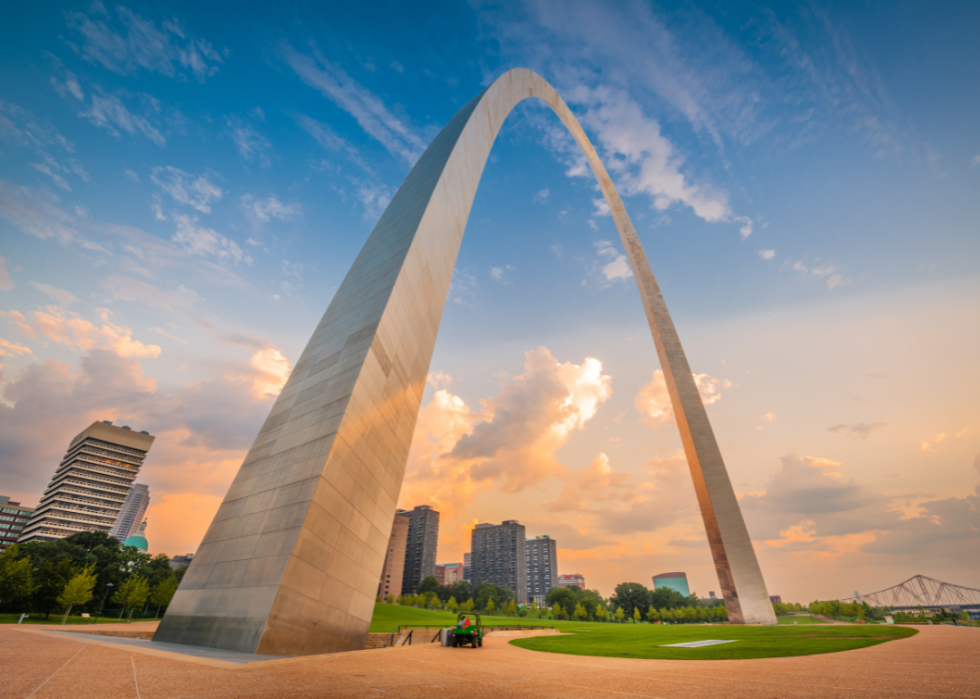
pixel 925 592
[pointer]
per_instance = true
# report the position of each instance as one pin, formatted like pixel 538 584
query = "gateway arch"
pixel 290 565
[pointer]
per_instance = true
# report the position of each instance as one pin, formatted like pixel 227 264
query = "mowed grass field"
pixel 648 640
pixel 799 620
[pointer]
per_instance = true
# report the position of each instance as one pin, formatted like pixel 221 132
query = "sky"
pixel 184 186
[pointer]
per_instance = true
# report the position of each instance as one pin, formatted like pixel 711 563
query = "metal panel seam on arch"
pixel 291 561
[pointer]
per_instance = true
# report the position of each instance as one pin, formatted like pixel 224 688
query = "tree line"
pixel 630 602
pixel 85 573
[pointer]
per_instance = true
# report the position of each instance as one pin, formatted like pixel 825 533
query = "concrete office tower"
pixel 572 579
pixel 91 484
pixel 675 581
pixel 468 566
pixel 291 562
pixel 420 549
pixel 500 556
pixel 542 567
pixel 13 519
pixel 394 568
pixel 132 512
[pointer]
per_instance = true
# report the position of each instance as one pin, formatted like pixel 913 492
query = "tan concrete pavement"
pixel 940 661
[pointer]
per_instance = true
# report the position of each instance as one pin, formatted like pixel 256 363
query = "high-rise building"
pixel 90 485
pixel 13 519
pixel 500 556
pixel 542 567
pixel 132 513
pixel 139 538
pixel 468 566
pixel 571 579
pixel 451 573
pixel 674 581
pixel 420 549
pixel 394 569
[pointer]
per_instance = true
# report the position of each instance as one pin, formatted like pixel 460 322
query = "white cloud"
pixel 975 161
pixel 20 126
pixel 109 112
pixel 498 273
pixel 136 44
pixel 272 371
pixel 644 161
pixel 205 241
pixel 323 133
pixel 77 334
pixel 616 266
pixel 265 210
pixel 767 254
pixel 36 211
pixel 132 175
pixel 653 400
pixel 542 196
pixel 826 271
pixel 368 109
pixel 54 292
pixel 251 144
pixel 746 230
pixel 186 189
pixel 6 283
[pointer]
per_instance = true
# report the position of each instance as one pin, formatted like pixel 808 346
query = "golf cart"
pixel 468 630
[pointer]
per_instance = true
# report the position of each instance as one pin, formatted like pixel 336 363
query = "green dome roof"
pixel 138 541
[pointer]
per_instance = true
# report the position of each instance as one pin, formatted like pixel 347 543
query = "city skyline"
pixel 806 193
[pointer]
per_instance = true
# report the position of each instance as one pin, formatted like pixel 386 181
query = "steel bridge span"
pixel 925 592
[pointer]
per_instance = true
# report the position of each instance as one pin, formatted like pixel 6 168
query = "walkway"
pixel 941 661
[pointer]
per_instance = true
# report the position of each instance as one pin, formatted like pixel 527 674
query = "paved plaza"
pixel 941 661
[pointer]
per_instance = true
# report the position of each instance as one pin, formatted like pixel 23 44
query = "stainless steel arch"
pixel 291 562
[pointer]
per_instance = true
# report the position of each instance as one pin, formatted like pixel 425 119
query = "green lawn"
pixel 801 620
pixel 647 640
pixel 56 619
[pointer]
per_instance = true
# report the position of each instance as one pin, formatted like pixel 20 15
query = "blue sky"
pixel 182 190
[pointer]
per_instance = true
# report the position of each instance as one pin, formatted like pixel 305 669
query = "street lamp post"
pixel 102 606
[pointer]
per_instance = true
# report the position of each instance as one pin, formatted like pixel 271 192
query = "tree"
pixel 512 607
pixel 557 612
pixel 601 614
pixel 490 605
pixel 52 578
pixel 163 593
pixel 16 576
pixel 462 589
pixel 430 584
pixel 469 605
pixel 636 615
pixel 580 612
pixel 390 599
pixel 78 591
pixel 629 596
pixel 666 615
pixel 564 596
pixel 534 606
pixel 653 614
pixel 487 590
pixel 453 605
pixel 590 605
pixel 620 614
pixel 132 594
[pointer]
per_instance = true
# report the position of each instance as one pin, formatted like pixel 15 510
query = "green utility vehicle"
pixel 468 630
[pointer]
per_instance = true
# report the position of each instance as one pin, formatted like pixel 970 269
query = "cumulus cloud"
pixel 265 210
pixel 272 371
pixel 188 190
pixel 542 196
pixel 510 441
pixel 810 507
pixel 767 254
pixel 54 324
pixel 612 264
pixel 653 400
pixel 367 109
pixel 131 44
pixel 826 272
